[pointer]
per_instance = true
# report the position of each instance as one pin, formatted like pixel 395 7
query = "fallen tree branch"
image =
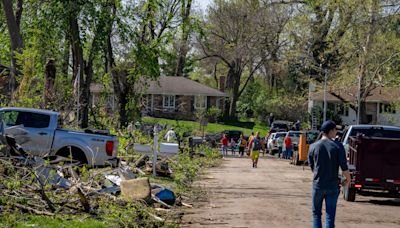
pixel 30 209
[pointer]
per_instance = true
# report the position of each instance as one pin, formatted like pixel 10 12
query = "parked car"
pixel 374 164
pixel 275 142
pixel 233 134
pixel 39 133
pixel 295 136
pixel 279 126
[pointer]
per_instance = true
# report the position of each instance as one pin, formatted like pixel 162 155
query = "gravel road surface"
pixel 276 194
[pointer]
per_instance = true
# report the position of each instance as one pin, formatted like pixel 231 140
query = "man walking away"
pixel 224 142
pixel 325 157
pixel 242 145
pixel 255 146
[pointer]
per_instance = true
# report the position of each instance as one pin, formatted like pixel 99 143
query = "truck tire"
pixel 349 193
pixel 76 154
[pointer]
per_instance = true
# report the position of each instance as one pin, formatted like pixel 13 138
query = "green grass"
pixel 19 220
pixel 210 128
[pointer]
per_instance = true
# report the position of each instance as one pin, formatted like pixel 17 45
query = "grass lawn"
pixel 210 128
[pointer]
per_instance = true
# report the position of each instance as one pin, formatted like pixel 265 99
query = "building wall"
pixel 184 107
pixel 372 109
pixel 389 118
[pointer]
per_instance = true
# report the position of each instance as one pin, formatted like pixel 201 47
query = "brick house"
pixel 171 97
pixel 179 98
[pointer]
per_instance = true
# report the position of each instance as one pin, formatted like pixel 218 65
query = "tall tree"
pixel 237 34
pixel 155 22
pixel 83 64
pixel 13 25
pixel 183 41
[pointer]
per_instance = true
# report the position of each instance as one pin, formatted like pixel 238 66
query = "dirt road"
pixel 276 194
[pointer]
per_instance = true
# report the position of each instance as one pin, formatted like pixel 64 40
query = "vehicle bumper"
pixel 113 162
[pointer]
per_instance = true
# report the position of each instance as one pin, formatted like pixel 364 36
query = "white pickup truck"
pixel 38 133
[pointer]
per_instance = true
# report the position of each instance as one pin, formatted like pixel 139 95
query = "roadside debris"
pixel 58 185
pixel 136 189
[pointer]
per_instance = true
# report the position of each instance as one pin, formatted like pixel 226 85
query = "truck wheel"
pixel 349 193
pixel 75 153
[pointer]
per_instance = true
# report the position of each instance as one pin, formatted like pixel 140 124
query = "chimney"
pixel 222 83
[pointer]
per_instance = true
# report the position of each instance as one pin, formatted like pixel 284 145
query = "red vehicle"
pixel 374 165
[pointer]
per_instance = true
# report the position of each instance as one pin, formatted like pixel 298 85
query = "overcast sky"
pixel 203 3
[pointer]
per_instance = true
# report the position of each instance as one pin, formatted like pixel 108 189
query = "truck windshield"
pixel 376 132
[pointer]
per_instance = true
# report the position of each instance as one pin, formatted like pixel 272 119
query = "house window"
pixel 331 107
pixel 200 102
pixel 387 108
pixel 169 101
pixel 342 109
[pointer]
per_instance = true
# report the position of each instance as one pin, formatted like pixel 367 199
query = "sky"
pixel 203 3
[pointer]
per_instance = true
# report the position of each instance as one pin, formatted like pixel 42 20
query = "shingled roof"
pixel 170 85
pixel 349 94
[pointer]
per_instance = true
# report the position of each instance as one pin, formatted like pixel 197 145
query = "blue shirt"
pixel 325 157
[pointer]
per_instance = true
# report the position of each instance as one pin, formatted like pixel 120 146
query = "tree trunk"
pixel 232 87
pixel 183 46
pixel 235 96
pixel 118 77
pixel 120 90
pixel 363 113
pixel 86 95
pixel 77 55
pixel 50 77
pixel 65 63
pixel 15 38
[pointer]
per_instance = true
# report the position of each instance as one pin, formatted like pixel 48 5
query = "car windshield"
pixel 311 137
pixel 294 134
pixel 376 132
pixel 279 135
pixel 279 125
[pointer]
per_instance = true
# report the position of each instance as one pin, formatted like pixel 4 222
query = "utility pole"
pixel 325 103
pixel 155 150
pixel 359 99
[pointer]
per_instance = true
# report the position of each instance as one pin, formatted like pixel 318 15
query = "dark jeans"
pixel 241 151
pixel 289 153
pixel 330 196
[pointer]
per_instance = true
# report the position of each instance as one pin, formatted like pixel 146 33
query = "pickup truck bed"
pixel 374 164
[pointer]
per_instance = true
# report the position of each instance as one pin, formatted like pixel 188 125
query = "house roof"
pixel 349 94
pixel 171 85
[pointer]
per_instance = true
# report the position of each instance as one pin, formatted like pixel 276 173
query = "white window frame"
pixel 167 101
pixel 204 106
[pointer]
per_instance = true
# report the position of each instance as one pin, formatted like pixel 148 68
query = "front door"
pixel 371 111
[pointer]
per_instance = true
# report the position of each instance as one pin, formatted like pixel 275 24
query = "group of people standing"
pixel 253 145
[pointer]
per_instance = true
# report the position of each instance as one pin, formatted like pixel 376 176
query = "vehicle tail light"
pixel 393 181
pixel 109 148
pixel 372 179
pixel 358 186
